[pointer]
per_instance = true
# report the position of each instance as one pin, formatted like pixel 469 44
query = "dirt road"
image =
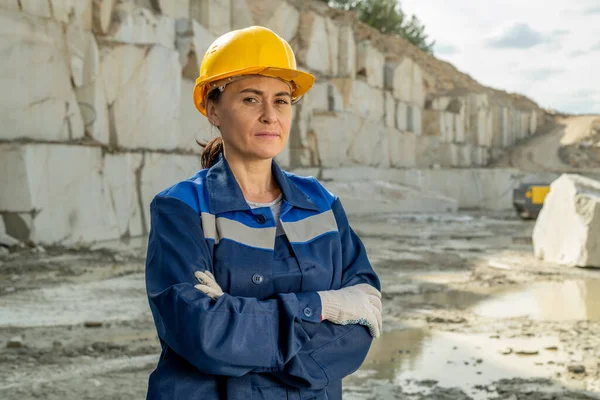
pixel 469 314
pixel 541 153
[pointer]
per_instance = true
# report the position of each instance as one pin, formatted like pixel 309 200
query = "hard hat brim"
pixel 303 81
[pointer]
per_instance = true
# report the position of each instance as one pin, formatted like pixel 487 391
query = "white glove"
pixel 208 284
pixel 360 304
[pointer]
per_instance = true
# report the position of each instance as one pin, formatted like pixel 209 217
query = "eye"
pixel 282 101
pixel 250 100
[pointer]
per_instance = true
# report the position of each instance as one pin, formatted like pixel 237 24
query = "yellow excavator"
pixel 528 199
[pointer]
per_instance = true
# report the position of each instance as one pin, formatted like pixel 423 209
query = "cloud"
pixel 579 53
pixel 445 49
pixel 519 36
pixel 542 74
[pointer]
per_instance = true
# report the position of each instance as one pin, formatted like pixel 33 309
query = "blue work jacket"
pixel 264 338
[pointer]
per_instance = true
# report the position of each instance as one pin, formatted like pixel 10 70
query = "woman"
pixel 258 286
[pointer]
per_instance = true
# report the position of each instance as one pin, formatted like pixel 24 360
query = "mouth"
pixel 266 134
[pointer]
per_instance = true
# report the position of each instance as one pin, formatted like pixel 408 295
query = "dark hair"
pixel 212 149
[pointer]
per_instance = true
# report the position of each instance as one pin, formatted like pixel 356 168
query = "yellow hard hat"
pixel 250 51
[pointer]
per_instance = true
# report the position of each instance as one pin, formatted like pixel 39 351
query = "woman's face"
pixel 254 116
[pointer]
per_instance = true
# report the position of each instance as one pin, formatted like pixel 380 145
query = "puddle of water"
pixel 458 360
pixel 442 278
pixel 548 301
pixel 575 300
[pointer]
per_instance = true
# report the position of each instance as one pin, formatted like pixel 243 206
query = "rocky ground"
pixel 469 314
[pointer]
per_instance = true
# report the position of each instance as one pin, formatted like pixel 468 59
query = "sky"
pixel 548 50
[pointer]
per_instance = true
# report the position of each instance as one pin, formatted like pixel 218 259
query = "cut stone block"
pixel 447 126
pixel 76 12
pixel 460 127
pixel 465 156
pixel 347 139
pixel 361 99
pixel 390 110
pixel 146 111
pixel 417 120
pixel 42 103
pixel 38 8
pixel 162 171
pixel 193 40
pixel 480 156
pixel 122 180
pixel 105 197
pixel 320 38
pixel 533 123
pixel 172 8
pixel 10 5
pixel 567 231
pixel 401 149
pixel 406 79
pixel 215 15
pixel 140 26
pixel 347 52
pixel 64 185
pixel 119 65
pixel 241 16
pixel 301 148
pixel 279 16
pixel 84 59
pixel 431 152
pixel 481 119
pixel 193 125
pixel 370 63
pixel 402 117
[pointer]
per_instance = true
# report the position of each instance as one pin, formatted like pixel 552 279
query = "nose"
pixel 269 114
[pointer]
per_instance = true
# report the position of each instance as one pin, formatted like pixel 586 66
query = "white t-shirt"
pixel 275 206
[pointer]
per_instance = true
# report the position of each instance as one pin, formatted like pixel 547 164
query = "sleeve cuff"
pixel 309 306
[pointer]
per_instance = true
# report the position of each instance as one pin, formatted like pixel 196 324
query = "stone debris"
pixel 567 230
pixel 16 342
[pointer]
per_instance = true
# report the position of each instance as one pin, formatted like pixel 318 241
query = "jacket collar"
pixel 224 193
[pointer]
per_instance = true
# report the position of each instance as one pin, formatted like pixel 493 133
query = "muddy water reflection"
pixel 574 300
pixel 548 301
pixel 457 360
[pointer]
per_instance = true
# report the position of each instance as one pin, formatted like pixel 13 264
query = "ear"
pixel 212 114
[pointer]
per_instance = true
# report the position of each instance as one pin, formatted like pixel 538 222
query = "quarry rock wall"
pixel 97 113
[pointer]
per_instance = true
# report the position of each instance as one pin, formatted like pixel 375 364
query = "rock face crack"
pixel 113 140
pixel 138 188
